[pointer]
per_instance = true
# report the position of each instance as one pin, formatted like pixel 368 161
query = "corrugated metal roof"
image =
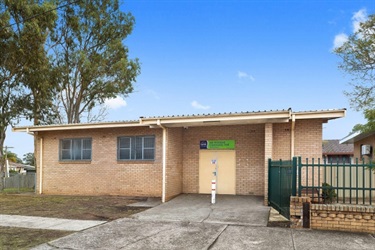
pixel 327 114
pixel 216 114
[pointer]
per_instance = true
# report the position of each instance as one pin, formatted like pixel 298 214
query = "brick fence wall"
pixel 353 218
pixel 336 217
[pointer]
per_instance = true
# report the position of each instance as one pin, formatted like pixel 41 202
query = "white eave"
pixel 357 136
pixel 75 126
pixel 282 116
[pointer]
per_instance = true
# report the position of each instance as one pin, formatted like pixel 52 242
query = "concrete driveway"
pixel 190 222
pixel 229 210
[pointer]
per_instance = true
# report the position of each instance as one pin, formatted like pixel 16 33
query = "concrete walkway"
pixel 47 223
pixel 229 210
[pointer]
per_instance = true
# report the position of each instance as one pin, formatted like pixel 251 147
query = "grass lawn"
pixel 67 207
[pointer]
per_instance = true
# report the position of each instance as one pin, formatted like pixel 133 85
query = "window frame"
pixel 71 151
pixel 133 153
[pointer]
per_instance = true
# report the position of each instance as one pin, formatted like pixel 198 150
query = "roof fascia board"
pixel 349 138
pixel 326 114
pixel 75 127
pixel 357 136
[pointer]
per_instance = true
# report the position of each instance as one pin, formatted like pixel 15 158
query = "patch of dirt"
pixel 67 207
pixel 22 238
pixel 70 207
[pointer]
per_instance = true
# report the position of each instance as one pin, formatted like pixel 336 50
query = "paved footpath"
pixel 130 233
pixel 47 223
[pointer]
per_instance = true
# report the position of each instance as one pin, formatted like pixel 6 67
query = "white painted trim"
pixel 292 136
pixel 164 160
pixel 41 166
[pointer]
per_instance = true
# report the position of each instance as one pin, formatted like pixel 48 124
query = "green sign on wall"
pixel 217 144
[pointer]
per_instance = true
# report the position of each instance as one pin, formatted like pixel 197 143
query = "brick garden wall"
pixel 351 218
pixel 336 217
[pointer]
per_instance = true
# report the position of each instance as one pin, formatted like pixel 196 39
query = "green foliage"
pixel 17 190
pixel 90 57
pixel 12 157
pixel 358 60
pixel 25 81
pixel 328 193
pixel 29 159
pixel 369 126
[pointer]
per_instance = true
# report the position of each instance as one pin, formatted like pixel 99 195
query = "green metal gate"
pixel 281 184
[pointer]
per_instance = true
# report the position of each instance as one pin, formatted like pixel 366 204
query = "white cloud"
pixel 357 18
pixel 339 40
pixel 197 105
pixel 243 75
pixel 115 103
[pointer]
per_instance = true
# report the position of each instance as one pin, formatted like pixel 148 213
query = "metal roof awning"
pixel 241 118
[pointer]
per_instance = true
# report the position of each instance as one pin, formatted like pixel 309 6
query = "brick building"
pixel 364 144
pixel 167 156
pixel 335 152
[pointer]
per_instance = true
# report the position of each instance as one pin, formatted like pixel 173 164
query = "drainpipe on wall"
pixel 40 165
pixel 164 159
pixel 292 136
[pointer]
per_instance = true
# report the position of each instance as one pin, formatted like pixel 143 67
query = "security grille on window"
pixel 136 148
pixel 75 149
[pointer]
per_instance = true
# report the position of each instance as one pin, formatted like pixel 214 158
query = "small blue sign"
pixel 203 144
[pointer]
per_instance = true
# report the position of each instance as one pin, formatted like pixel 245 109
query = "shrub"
pixel 328 193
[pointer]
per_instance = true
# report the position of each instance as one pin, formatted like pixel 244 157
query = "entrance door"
pixel 226 174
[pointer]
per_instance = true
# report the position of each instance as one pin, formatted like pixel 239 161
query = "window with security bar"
pixel 76 149
pixel 136 148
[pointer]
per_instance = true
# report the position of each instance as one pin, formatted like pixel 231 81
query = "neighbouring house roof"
pixel 354 137
pixel 333 147
pixel 20 165
pixel 238 118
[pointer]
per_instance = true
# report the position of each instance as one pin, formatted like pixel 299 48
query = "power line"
pixel 34 16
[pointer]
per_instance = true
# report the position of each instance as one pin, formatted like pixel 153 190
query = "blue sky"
pixel 207 56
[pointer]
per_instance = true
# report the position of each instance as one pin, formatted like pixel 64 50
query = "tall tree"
pixel 33 22
pixel 24 27
pixel 89 53
pixel 358 60
pixel 9 84
pixel 29 159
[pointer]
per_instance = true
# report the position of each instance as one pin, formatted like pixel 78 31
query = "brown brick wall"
pixel 104 175
pixel 370 140
pixel 281 141
pixel 336 217
pixel 350 218
pixel 249 156
pixel 174 162
pixel 308 139
pixel 308 144
pixel 268 148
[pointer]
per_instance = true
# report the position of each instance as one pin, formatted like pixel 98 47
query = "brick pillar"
pixel 267 155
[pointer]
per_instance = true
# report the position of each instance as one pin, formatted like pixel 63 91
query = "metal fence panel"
pixel 280 186
pixel 349 182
